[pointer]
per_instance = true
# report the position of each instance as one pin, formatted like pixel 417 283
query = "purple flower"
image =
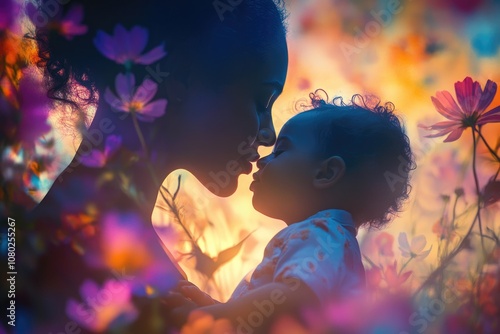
pixel 125 47
pixel 69 25
pixel 97 158
pixel 105 307
pixel 137 101
pixel 9 11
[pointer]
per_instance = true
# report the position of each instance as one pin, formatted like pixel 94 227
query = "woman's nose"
pixel 266 135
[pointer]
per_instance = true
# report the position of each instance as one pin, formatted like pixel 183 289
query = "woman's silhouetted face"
pixel 226 124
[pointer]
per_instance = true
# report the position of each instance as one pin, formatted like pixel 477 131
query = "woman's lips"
pixel 246 163
pixel 256 179
pixel 246 167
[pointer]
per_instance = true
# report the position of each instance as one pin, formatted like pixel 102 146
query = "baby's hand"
pixel 191 291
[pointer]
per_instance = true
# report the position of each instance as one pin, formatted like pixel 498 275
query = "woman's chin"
pixel 221 188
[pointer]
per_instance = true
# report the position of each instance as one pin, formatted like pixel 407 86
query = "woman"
pixel 225 66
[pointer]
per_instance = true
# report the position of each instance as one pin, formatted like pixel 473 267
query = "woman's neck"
pixel 134 170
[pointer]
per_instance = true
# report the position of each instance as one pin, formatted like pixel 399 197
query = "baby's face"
pixel 283 185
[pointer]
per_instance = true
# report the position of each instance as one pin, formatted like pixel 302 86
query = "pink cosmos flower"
pixel 415 249
pixel 104 307
pixel 137 101
pixel 97 158
pixel 69 25
pixel 125 47
pixel 469 112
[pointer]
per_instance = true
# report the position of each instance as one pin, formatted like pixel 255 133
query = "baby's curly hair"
pixel 376 150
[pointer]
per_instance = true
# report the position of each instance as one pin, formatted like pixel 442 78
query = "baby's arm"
pixel 270 301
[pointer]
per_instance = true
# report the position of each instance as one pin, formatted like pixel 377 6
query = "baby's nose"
pixel 262 162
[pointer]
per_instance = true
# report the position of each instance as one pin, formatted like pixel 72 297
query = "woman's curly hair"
pixel 372 141
pixel 72 67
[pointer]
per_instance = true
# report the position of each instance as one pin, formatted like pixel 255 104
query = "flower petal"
pixel 492 116
pixel 138 38
pixel 486 96
pixel 468 94
pixel 151 56
pixel 74 14
pixel 417 244
pixel 454 135
pixel 121 40
pixel 404 246
pixel 106 45
pixel 446 106
pixel 94 158
pixel 125 84
pixel 113 142
pixel 423 255
pixel 146 91
pixel 444 125
pixel 113 101
pixel 152 110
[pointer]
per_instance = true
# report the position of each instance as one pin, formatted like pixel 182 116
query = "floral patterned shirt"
pixel 321 252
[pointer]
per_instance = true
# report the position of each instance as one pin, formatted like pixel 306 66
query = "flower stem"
pixel 493 153
pixel 478 192
pixel 404 265
pixel 144 147
pixel 447 260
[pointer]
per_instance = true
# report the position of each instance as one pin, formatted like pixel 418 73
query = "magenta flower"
pixel 469 112
pixel 97 158
pixel 103 308
pixel 137 101
pixel 125 47
pixel 69 25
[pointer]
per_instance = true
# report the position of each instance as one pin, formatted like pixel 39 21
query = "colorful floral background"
pixel 435 268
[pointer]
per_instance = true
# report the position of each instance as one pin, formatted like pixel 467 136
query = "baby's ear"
pixel 329 172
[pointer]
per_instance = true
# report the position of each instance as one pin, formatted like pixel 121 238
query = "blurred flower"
pixel 128 243
pixel 9 10
pixel 393 278
pixel 443 228
pixel 34 106
pixel 97 158
pixel 105 308
pixel 473 102
pixel 138 101
pixel 384 242
pixel 491 192
pixel 69 25
pixel 201 322
pixel 416 249
pixel 125 47
pixel 373 277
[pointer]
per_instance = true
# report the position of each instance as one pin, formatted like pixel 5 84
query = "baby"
pixel 334 168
